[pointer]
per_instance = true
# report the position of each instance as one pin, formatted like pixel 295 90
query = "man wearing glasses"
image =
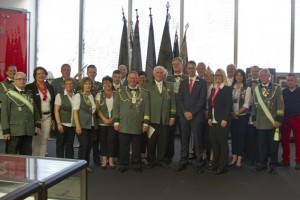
pixel 20 118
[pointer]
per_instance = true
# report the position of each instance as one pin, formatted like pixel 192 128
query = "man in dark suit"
pixel 192 100
pixel 175 79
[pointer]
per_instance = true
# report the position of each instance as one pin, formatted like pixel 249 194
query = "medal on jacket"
pixel 20 109
pixel 133 100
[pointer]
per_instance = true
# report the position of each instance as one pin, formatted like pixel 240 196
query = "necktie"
pixel 22 92
pixel 191 85
pixel 159 86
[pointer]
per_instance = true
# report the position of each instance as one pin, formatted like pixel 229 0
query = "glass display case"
pixel 57 178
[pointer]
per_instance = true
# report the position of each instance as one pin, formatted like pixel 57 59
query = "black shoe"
pixel 260 168
pixel 200 169
pixel 219 171
pixel 121 170
pixel 283 163
pixel 180 168
pixel 164 165
pixel 272 170
pixel 139 169
pixel 150 165
pixel 192 156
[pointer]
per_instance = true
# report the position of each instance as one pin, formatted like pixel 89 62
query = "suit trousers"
pixel 267 146
pixel 172 133
pixel 64 143
pixel 238 133
pixel 206 141
pixel 85 144
pixel 289 124
pixel 252 143
pixel 158 144
pixel 219 141
pixel 39 142
pixel 20 145
pixel 125 140
pixel 107 140
pixel 195 127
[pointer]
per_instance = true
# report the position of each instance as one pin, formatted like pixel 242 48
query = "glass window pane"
pixel 210 36
pixel 264 34
pixel 58 34
pixel 297 37
pixel 102 32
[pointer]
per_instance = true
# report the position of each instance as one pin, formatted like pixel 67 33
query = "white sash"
pixel 263 105
pixel 18 96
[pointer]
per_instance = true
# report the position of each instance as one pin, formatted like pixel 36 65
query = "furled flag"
pixel 124 55
pixel 136 59
pixel 176 46
pixel 165 55
pixel 183 50
pixel 151 54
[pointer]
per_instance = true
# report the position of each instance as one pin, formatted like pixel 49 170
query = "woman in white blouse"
pixel 104 100
pixel 84 111
pixel 241 95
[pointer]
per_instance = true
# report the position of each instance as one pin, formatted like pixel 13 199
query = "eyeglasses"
pixel 219 75
pixel 20 79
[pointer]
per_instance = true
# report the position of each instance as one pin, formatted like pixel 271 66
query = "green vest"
pixel 103 107
pixel 65 111
pixel 85 115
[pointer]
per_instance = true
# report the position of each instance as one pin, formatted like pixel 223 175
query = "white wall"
pixel 29 6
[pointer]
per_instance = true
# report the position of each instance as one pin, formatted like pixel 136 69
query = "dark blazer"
pixel 36 96
pixel 222 105
pixel 193 102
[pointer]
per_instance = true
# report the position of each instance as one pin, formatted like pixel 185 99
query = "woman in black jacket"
pixel 220 104
pixel 43 97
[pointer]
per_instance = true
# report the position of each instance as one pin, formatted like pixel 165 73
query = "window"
pixel 102 30
pixel 264 34
pixel 210 36
pixel 58 34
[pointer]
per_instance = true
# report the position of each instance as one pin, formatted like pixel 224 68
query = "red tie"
pixel 191 85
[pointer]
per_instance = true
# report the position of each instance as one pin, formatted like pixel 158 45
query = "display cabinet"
pixel 57 178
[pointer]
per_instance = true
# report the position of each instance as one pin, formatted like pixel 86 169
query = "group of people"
pixel 135 118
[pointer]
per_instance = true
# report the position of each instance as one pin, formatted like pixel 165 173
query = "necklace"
pixel 87 100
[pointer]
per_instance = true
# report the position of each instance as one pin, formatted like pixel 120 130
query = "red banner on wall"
pixel 13 41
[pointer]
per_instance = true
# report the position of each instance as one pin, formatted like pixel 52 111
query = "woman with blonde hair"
pixel 219 115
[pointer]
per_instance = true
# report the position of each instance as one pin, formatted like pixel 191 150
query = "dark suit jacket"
pixel 193 102
pixel 37 99
pixel 222 105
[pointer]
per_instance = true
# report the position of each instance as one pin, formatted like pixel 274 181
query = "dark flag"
pixel 165 55
pixel 124 55
pixel 183 50
pixel 151 54
pixel 176 46
pixel 136 59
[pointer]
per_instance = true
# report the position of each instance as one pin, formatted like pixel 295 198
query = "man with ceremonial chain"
pixel 131 118
pixel 20 118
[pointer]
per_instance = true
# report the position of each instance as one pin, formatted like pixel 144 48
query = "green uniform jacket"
pixel 274 101
pixel 16 117
pixel 162 106
pixel 131 116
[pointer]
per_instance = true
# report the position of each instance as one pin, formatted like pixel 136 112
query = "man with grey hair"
pixel 201 67
pixel 162 116
pixel 20 118
pixel 230 70
pixel 267 117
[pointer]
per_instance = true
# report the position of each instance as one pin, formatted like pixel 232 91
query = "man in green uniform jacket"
pixel 162 116
pixel 267 117
pixel 20 118
pixel 131 112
